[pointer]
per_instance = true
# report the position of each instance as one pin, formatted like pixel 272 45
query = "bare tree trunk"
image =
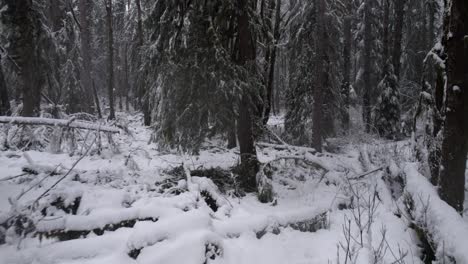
pixel 5 108
pixel 271 71
pixel 87 67
pixel 143 97
pixel 232 139
pixel 455 132
pixel 397 35
pixel 317 114
pixel 366 107
pixel 126 81
pixel 139 24
pixel 27 53
pixel 345 86
pixel 385 41
pixel 247 54
pixel 110 43
pixel 96 101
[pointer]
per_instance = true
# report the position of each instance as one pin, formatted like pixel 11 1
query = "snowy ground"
pixel 324 213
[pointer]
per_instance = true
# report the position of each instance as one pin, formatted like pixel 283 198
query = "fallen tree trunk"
pixel 440 225
pixel 38 121
pixel 286 147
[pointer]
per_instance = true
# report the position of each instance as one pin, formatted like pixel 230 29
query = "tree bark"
pixel 455 132
pixel 246 58
pixel 110 50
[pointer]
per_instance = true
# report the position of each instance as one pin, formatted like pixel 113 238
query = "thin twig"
pixel 36 184
pixel 13 177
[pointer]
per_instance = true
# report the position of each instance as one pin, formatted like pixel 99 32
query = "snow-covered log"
pixel 287 147
pixel 447 230
pixel 39 121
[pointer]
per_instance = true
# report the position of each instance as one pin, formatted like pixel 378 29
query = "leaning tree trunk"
pixel 397 36
pixel 246 57
pixel 455 131
pixel 4 99
pixel 110 47
pixel 366 107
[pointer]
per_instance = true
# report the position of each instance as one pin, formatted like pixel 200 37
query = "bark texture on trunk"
pixel 455 131
pixel 246 57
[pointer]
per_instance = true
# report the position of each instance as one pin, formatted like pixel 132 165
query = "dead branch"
pixel 360 176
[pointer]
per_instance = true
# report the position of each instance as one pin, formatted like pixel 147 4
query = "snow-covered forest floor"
pixel 363 201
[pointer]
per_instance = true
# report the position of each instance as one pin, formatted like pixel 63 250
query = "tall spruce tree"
pixel 387 113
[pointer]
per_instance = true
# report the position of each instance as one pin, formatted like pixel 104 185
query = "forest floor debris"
pixel 153 212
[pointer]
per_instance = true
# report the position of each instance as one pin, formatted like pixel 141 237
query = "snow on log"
pixel 39 121
pixel 447 229
pixel 304 220
pixel 287 147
